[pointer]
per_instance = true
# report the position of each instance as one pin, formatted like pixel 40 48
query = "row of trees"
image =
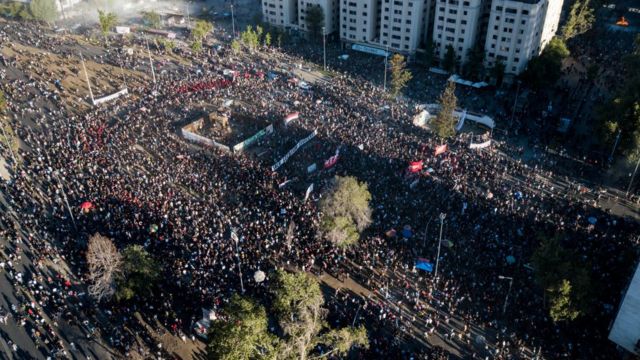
pixel 40 10
pixel 122 275
pixel 621 114
pixel 243 332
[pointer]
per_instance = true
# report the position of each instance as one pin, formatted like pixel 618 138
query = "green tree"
pixel 560 274
pixel 428 53
pixel 259 32
pixel 139 273
pixel 474 67
pixel 196 46
pixel 235 46
pixel 579 21
pixel 545 70
pixel 550 262
pixel 44 10
pixel 298 301
pixel 107 21
pixel 497 72
pixel 267 39
pixel 16 10
pixel 622 111
pixel 444 122
pixel 345 211
pixel 201 29
pixel 199 32
pixel 449 61
pixel 152 19
pixel 167 44
pixel 400 76
pixel 249 38
pixel 562 306
pixel 315 20
pixel 243 334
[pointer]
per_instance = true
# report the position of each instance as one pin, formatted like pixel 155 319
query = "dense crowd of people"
pixel 128 159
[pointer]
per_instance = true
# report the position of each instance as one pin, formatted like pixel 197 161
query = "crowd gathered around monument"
pixel 149 186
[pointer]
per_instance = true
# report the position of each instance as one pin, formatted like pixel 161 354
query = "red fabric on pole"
pixel 441 149
pixel 415 166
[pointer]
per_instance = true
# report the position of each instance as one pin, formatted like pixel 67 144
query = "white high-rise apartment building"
pixel 518 30
pixel 359 21
pixel 330 8
pixel 456 24
pixel 402 24
pixel 551 21
pixel 282 13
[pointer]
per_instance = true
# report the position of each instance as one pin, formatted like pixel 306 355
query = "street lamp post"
pixel 506 299
pixel 442 216
pixel 324 48
pixel 233 23
pixel 64 197
pixel 633 176
pixel 386 58
pixel 515 104
pixel 235 239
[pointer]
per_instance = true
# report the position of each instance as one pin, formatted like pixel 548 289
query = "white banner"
pixel 111 97
pixel 294 150
pixel 203 140
pixel 480 145
pixel 309 190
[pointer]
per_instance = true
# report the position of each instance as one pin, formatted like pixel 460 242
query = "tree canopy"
pixel 199 32
pixel 444 122
pixel 567 281
pixel 105 265
pixel 545 70
pixel 345 211
pixel 242 334
pixel 622 112
pixel 139 273
pixel 449 60
pixel 400 76
pixel 152 18
pixel 579 21
pixel 297 301
pixel 44 10
pixel 107 20
pixel 474 67
pixel 315 20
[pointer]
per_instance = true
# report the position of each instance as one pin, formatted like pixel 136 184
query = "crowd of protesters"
pixel 128 159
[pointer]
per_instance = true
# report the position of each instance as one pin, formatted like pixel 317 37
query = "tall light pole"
pixel 153 73
pixel 506 299
pixel 442 216
pixel 513 113
pixel 64 197
pixel 86 75
pixel 324 48
pixel 633 176
pixel 235 239
pixel 615 145
pixel 233 23
pixel 386 58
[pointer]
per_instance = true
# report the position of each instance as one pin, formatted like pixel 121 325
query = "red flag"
pixel 415 166
pixel 441 149
pixel 332 161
